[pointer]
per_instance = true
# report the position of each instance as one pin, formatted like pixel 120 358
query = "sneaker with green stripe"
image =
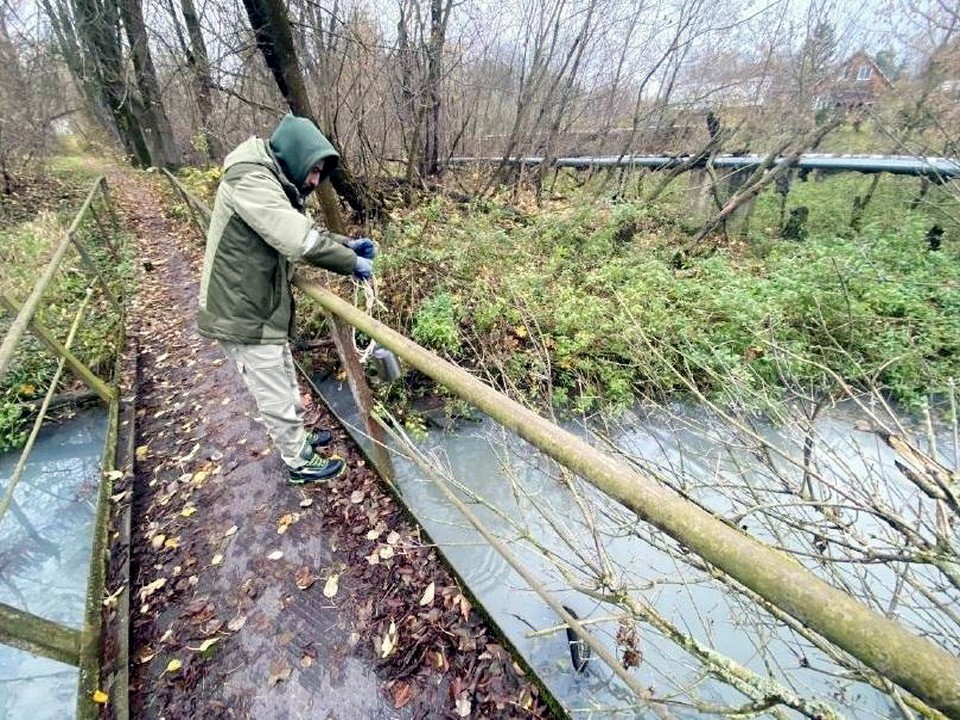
pixel 317 469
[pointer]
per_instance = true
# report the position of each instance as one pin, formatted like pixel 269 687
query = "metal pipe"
pixel 934 168
pixel 914 663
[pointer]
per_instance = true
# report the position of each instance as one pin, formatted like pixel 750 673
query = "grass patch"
pixel 577 302
pixel 25 250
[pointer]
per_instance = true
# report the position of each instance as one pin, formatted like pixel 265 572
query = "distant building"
pixel 860 82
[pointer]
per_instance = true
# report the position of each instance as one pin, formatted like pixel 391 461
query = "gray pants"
pixel 271 378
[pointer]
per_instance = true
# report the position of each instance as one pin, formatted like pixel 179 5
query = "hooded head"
pixel 299 147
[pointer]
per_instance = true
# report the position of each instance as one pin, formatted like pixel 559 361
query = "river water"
pixel 578 533
pixel 45 558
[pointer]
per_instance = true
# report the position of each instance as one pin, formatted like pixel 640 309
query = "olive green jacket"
pixel 258 228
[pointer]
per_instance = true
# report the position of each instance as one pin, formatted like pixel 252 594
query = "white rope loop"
pixel 369 288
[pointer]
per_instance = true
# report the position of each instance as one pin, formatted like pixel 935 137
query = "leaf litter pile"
pixel 251 598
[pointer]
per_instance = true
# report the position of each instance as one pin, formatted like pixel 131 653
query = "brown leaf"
pixel 402 694
pixel 279 671
pixel 304 578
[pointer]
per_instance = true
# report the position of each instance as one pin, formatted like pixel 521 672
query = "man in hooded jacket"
pixel 258 229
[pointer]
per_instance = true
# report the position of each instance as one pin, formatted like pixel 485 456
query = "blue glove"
pixel 363 270
pixel 363 247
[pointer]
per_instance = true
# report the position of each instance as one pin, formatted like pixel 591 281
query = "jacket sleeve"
pixel 261 203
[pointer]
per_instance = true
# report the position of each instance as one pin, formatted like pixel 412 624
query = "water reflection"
pixel 526 500
pixel 45 545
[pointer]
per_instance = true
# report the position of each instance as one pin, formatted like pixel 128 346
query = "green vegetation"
pixel 579 300
pixel 25 248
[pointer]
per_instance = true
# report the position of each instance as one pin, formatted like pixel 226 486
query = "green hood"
pixel 299 147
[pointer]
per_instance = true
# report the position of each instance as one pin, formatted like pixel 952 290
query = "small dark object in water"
pixel 579 650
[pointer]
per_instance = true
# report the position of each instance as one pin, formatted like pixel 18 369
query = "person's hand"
pixel 364 247
pixel 363 270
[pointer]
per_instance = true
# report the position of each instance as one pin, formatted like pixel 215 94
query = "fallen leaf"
pixel 113 476
pixel 374 534
pixel 286 521
pixel 402 694
pixel 188 511
pixel 373 558
pixel 279 672
pixel 100 697
pixel 231 531
pixel 306 502
pixel 386 552
pixel 217 559
pixel 275 555
pixel 190 455
pixel 306 661
pixel 206 647
pixel 389 641
pixel 463 705
pixel 150 588
pixel 141 452
pixel 465 607
pixel 199 477
pixel 332 585
pixel 428 594
pixel 236 623
pixel 356 497
pixel 304 578
pixel 157 542
pixel 393 538
pixel 173 666
pixel 172 543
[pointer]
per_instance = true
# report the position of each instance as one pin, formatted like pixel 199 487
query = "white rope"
pixel 370 294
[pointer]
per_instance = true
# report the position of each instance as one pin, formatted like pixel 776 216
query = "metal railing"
pixel 18 628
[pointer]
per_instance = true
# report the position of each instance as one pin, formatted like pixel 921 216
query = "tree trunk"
pixel 199 62
pixel 72 52
pixel 439 13
pixel 275 40
pixel 164 149
pixel 98 28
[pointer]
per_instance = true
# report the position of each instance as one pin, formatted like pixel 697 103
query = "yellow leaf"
pixel 157 542
pixel 231 531
pixel 331 587
pixel 286 521
pixel 142 452
pixel 389 641
pixel 217 559
pixel 174 665
pixel 428 594
pixel 188 511
pixel 113 475
pixel 172 543
pixel 207 644
pixel 100 697
pixel 199 477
